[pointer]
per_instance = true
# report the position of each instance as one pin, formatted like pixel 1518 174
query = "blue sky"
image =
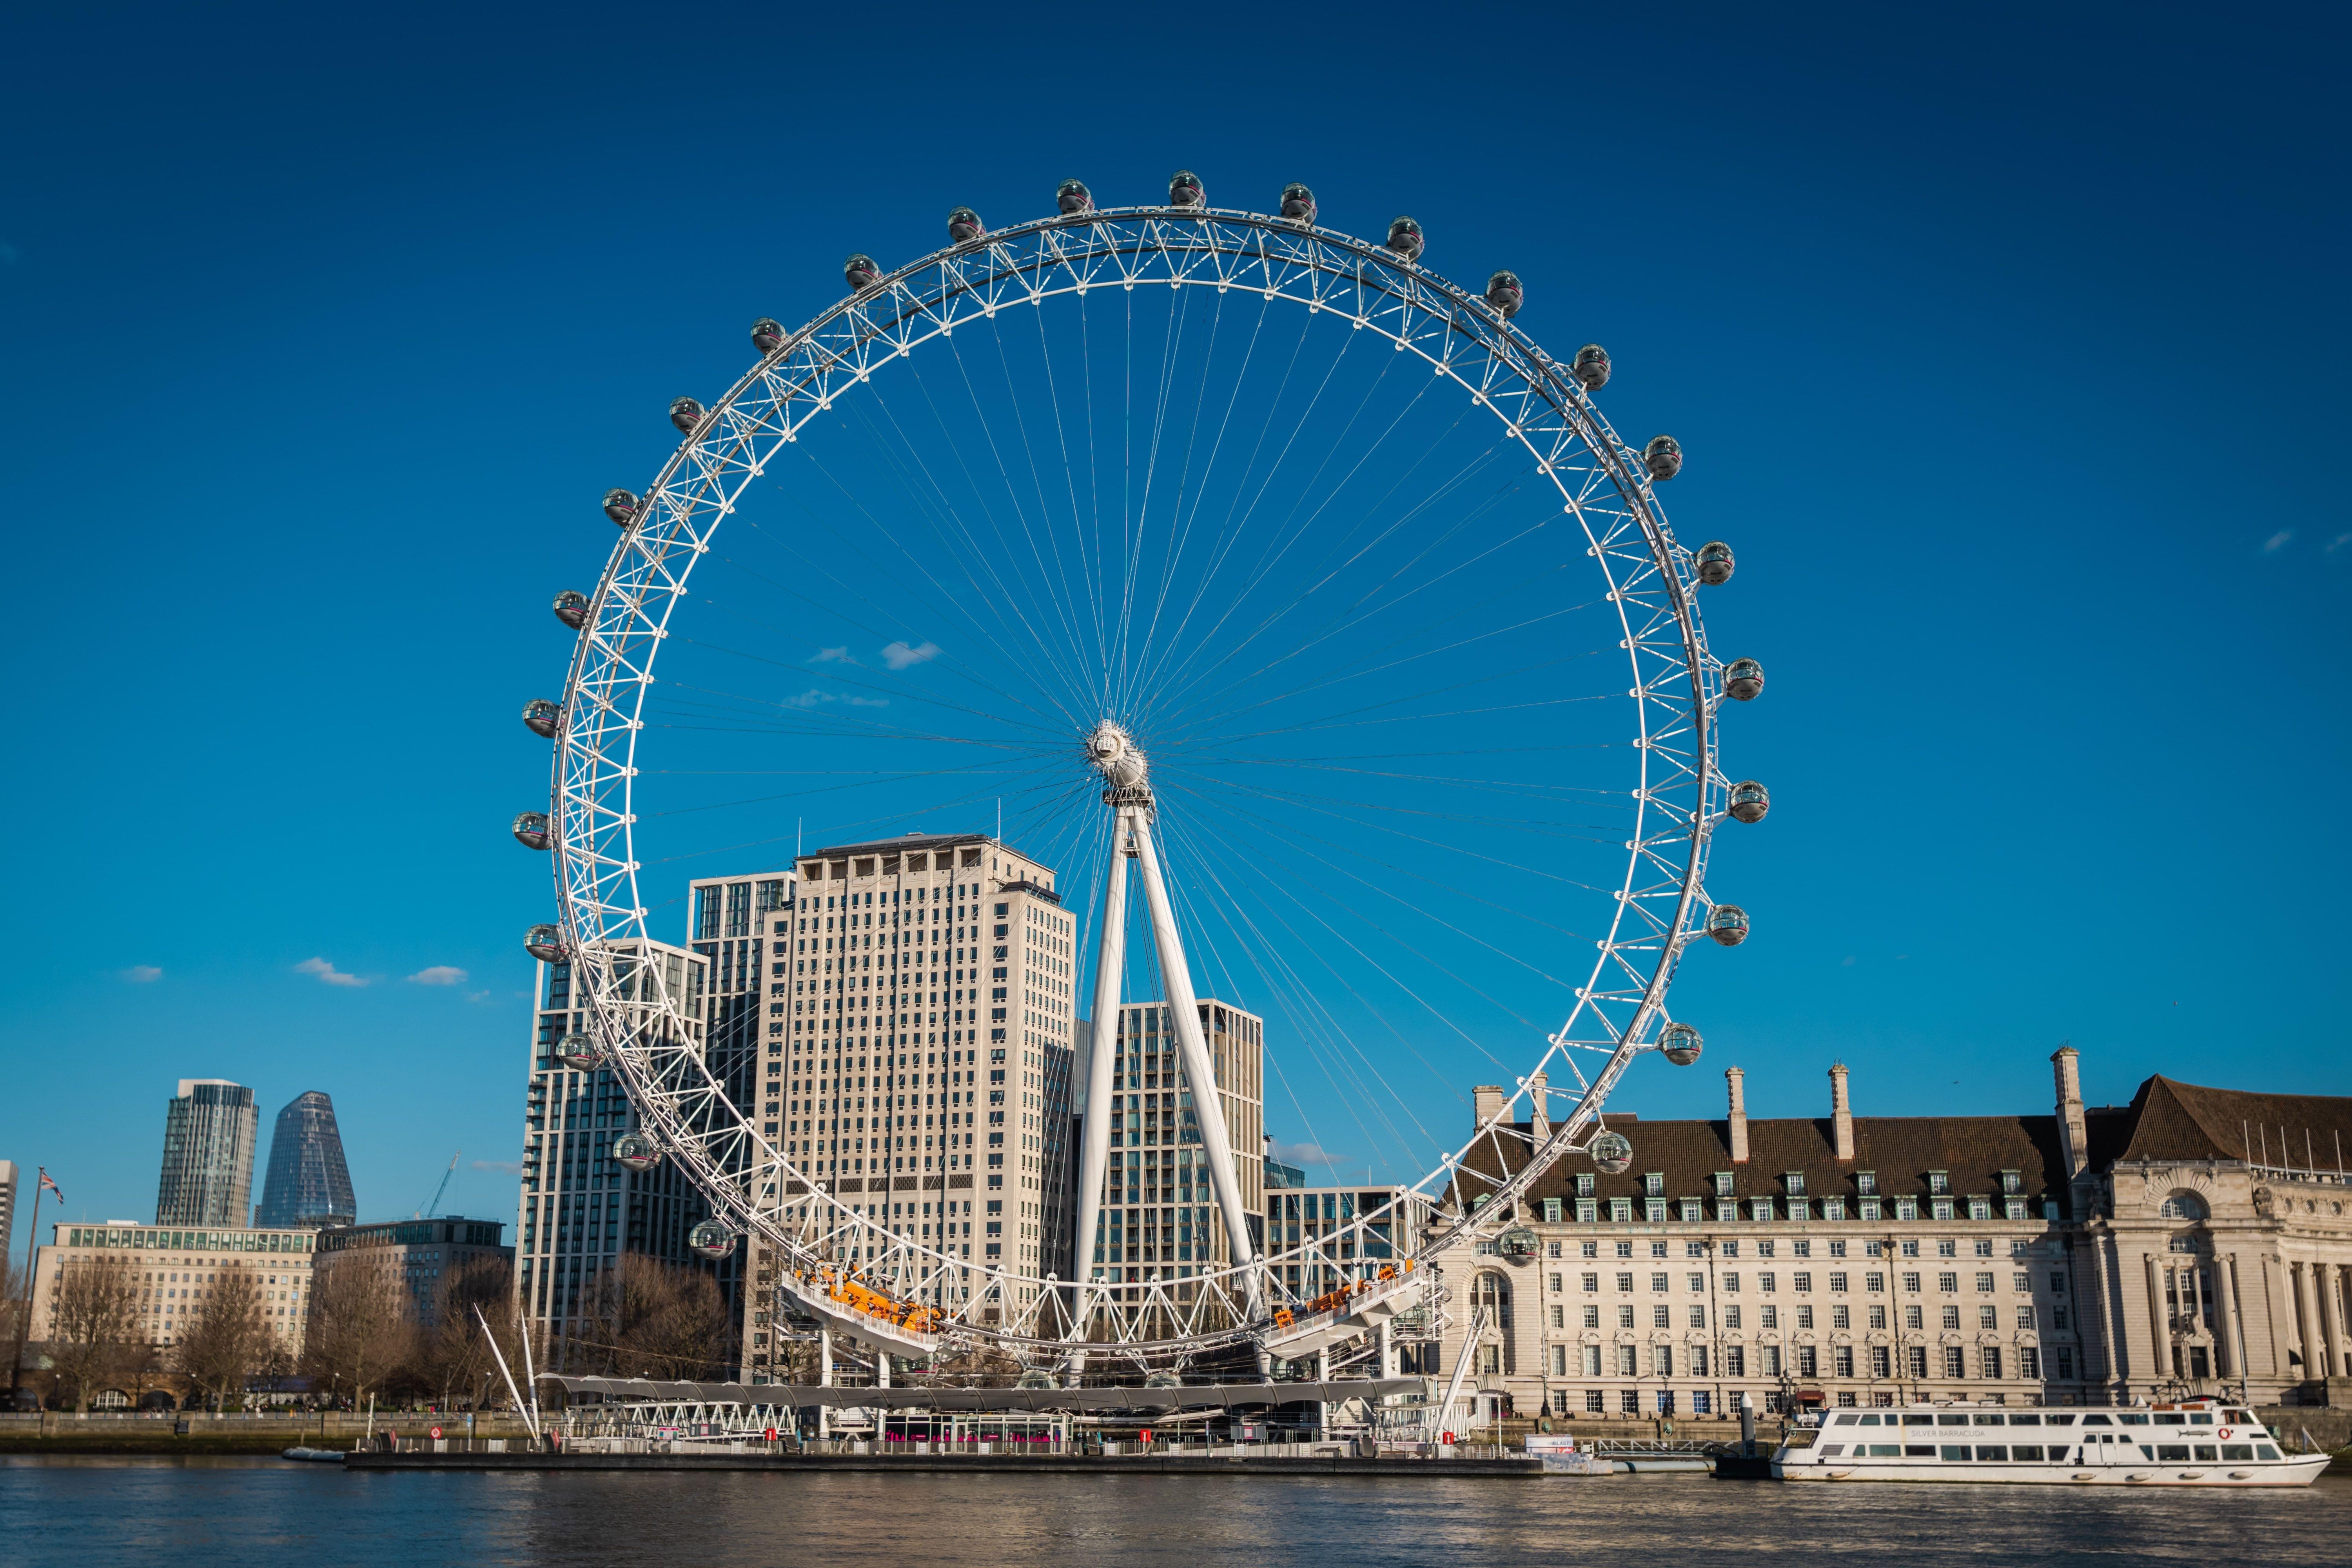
pixel 2008 350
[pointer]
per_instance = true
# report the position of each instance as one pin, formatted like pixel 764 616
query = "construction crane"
pixel 429 1210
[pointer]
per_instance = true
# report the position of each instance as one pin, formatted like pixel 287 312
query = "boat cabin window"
pixel 2201 1418
pixel 2062 1420
pixel 2033 1420
pixel 1919 1421
pixel 2245 1416
pixel 2096 1421
pixel 2168 1418
pixel 2131 1420
pixel 1951 1420
pixel 2266 1451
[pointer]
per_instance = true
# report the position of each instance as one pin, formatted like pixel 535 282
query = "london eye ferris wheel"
pixel 1151 646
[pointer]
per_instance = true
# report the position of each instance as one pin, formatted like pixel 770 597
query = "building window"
pixel 1954 1362
pixel 1654 1210
pixel 1654 1184
pixel 1723 1184
pixel 1992 1362
pixel 1907 1208
pixel 1735 1360
pixel 1760 1209
pixel 1584 1185
pixel 1866 1182
pixel 1596 1400
pixel 1794 1181
pixel 2029 1362
pixel 1694 1211
pixel 1870 1209
pixel 1587 1212
pixel 1551 1212
pixel 1939 1182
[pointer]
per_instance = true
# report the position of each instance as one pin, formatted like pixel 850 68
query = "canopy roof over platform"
pixel 1191 1396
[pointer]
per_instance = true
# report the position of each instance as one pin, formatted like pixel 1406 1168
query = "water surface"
pixel 224 1511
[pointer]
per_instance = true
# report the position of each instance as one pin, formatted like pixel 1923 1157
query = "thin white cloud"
pixel 898 656
pixel 2338 543
pixel 833 656
pixel 816 697
pixel 327 972
pixel 1303 1154
pixel 143 974
pixel 439 975
pixel 511 1167
pixel 2278 540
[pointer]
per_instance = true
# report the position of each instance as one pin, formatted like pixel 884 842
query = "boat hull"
pixel 2298 1470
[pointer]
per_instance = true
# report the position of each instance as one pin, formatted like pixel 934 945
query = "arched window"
pixel 2183 1206
pixel 1492 1294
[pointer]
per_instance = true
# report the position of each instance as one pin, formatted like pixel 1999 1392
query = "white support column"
pixel 1208 1103
pixel 1110 961
pixel 823 1380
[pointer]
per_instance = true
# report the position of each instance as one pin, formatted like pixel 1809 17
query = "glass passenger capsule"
pixel 1517 1242
pixel 1505 293
pixel 544 942
pixel 1612 1152
pixel 1072 196
pixel 580 1052
pixel 1298 203
pixel 1591 367
pixel 1728 923
pixel 1663 456
pixel 572 608
pixel 635 1151
pixel 1749 801
pixel 622 507
pixel 1035 1380
pixel 861 272
pixel 711 1238
pixel 1679 1044
pixel 1742 679
pixel 1714 563
pixel 964 227
pixel 686 414
pixel 767 335
pixel 531 830
pixel 1163 1380
pixel 1185 190
pixel 544 718
pixel 1405 239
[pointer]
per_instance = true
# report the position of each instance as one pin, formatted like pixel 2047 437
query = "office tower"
pixel 172 1269
pixel 208 1134
pixel 307 1184
pixel 581 1211
pixel 415 1256
pixel 728 917
pixel 1160 1219
pixel 918 1045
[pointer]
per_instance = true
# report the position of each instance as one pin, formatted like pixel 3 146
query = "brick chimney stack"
pixel 1841 1113
pixel 2073 1131
pixel 1539 1105
pixel 1735 1078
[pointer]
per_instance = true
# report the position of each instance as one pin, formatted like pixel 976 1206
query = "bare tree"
pixel 651 1319
pixel 361 1336
pixel 457 1354
pixel 93 1323
pixel 228 1341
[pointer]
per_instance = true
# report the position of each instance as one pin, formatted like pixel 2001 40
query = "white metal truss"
pixel 919 1299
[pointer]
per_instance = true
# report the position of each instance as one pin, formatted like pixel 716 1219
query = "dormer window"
pixel 1584 1186
pixel 1939 1182
pixel 2012 1182
pixel 1795 1180
pixel 1654 1184
pixel 1723 1184
pixel 1866 1183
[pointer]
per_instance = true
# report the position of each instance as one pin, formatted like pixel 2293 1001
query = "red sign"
pixel 437 1434
pixel 771 1434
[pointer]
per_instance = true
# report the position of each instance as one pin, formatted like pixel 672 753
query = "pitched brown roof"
pixel 2174 1120
pixel 1900 1151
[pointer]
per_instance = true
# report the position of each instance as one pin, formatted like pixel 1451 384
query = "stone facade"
pixel 2085 1257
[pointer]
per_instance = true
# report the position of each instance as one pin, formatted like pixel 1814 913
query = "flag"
pixel 48 1186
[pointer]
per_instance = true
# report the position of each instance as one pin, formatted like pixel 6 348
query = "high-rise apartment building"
pixel 209 1136
pixel 308 1183
pixel 581 1210
pixel 918 1058
pixel 415 1256
pixel 1160 1217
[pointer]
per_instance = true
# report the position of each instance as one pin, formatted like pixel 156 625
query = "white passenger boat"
pixel 2198 1443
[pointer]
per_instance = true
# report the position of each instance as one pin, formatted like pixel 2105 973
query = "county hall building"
pixel 2192 1241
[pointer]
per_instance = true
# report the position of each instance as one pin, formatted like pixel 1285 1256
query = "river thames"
pixel 92 1510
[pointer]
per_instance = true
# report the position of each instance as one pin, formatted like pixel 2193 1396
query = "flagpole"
pixel 25 1320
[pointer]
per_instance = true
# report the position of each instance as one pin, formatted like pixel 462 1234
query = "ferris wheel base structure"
pixel 904 1295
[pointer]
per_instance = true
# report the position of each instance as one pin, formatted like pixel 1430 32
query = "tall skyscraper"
pixel 208 1135
pixel 307 1184
pixel 580 1209
pixel 919 1047
pixel 1160 1219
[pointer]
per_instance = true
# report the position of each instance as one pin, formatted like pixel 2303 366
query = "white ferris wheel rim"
pixel 1677 688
